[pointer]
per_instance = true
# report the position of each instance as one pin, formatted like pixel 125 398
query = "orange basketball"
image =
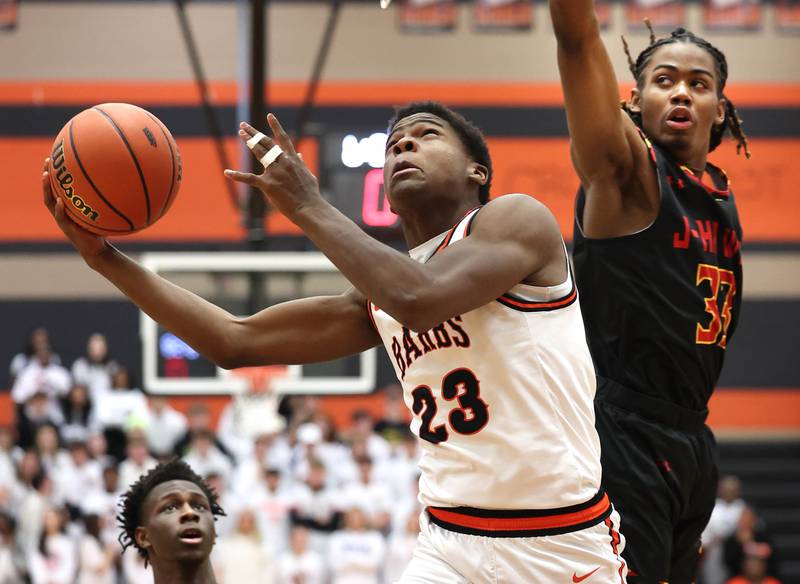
pixel 116 167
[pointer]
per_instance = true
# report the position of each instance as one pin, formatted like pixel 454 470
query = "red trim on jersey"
pixel 372 318
pixel 511 521
pixel 449 236
pixel 514 302
pixel 615 539
pixel 714 192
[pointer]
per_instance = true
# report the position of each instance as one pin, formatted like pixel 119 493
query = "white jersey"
pixel 502 397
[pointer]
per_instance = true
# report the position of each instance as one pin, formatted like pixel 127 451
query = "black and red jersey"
pixel 661 305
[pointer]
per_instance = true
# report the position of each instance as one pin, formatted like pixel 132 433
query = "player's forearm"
pixel 387 277
pixel 574 21
pixel 198 322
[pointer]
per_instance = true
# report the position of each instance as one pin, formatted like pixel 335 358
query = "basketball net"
pixel 255 408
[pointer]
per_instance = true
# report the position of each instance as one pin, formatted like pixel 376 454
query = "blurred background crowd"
pixel 305 501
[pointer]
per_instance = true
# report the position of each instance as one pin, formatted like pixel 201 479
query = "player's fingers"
pixel 241 177
pixel 47 193
pixel 281 137
pixel 258 143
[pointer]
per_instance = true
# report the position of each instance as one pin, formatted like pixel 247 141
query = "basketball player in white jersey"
pixel 484 328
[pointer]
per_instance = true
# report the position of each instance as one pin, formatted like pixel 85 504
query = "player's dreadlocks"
pixel 732 121
pixel 130 518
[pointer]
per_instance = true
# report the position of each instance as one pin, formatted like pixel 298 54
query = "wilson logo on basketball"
pixel 65 181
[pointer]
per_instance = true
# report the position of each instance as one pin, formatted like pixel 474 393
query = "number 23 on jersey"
pixel 469 417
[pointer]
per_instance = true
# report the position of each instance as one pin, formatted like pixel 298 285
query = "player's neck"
pixel 426 222
pixel 184 573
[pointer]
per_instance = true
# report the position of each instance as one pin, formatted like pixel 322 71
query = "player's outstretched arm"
pixel 513 238
pixel 300 331
pixel 606 148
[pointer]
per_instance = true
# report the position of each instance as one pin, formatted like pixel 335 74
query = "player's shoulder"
pixel 516 214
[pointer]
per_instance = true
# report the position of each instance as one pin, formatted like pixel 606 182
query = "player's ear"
pixel 142 539
pixel 635 102
pixel 723 103
pixel 478 173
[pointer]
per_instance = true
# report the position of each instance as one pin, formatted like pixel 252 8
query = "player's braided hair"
pixel 470 135
pixel 131 502
pixel 732 122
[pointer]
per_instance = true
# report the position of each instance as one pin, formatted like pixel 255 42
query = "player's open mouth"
pixel 680 118
pixel 403 168
pixel 191 536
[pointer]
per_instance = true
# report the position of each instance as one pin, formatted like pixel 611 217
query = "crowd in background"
pixel 304 501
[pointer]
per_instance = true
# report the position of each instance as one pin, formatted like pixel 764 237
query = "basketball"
pixel 116 167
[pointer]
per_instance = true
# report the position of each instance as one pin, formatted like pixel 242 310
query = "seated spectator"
pixel 9 553
pixel 363 431
pixel 224 524
pixel 272 502
pixel 121 405
pixel 299 563
pixel 96 557
pixel 373 497
pixel 754 566
pixel 98 450
pixel 42 374
pixel 95 368
pixel 400 548
pixel 245 418
pixel 8 468
pixel 53 561
pixel 104 503
pixel 39 340
pixel 316 506
pixel 199 421
pixel 751 535
pixel 163 426
pixel 31 512
pixel 35 413
pixel 205 458
pixel 393 425
pixel 80 477
pixel 137 463
pixel 722 524
pixel 77 413
pixel 241 556
pixel 48 449
pixel 356 553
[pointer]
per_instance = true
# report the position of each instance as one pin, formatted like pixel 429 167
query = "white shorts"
pixel 590 555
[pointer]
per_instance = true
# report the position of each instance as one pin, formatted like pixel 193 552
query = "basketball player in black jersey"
pixel 658 265
pixel 168 516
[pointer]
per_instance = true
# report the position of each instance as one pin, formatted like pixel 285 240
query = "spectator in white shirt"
pixel 163 426
pixel 316 506
pixel 51 456
pixel 31 512
pixel 42 374
pixel 77 412
pixel 400 549
pixel 38 411
pixel 273 503
pixel 373 497
pixel 53 561
pixel 96 556
pixel 9 553
pixel 722 524
pixel 104 504
pixel 363 431
pixel 205 458
pixel 299 563
pixel 80 477
pixel 135 570
pixel 357 552
pixel 136 464
pixel 38 340
pixel 94 370
pixel 241 556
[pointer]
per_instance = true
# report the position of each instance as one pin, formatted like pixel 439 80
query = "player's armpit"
pixel 303 331
pixel 513 239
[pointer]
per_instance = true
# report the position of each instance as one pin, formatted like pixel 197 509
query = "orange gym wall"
pixel 764 185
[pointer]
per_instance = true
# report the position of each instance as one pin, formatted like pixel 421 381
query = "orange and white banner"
pixel 427 15
pixel 8 14
pixel 500 15
pixel 663 14
pixel 732 14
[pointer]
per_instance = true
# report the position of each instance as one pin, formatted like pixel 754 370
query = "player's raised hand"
pixel 88 244
pixel 286 180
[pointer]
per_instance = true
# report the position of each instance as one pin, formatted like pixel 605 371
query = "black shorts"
pixel 660 471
